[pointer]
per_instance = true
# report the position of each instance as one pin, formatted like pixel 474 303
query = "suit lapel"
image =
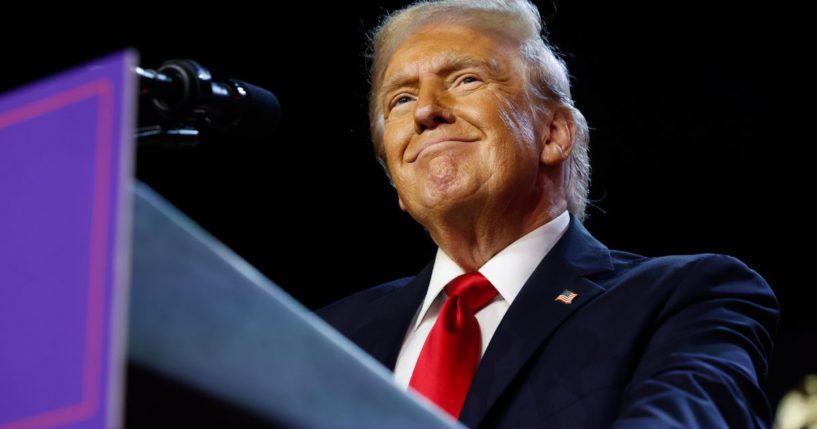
pixel 383 333
pixel 535 315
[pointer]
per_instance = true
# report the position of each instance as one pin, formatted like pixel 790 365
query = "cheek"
pixel 497 113
pixel 396 136
pixel 517 122
pixel 514 142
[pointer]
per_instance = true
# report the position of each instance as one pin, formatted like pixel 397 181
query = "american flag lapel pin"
pixel 566 297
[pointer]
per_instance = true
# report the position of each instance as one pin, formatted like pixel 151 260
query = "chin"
pixel 449 199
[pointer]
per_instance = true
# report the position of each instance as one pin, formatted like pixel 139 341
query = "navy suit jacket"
pixel 669 342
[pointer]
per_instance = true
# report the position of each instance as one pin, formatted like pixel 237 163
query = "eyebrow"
pixel 443 65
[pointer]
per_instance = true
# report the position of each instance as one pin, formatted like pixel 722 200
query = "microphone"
pixel 184 93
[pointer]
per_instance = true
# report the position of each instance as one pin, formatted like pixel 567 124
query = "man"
pixel 524 319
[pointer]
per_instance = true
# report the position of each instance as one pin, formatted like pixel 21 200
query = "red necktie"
pixel 452 350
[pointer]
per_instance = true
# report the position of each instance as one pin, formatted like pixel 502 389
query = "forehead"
pixel 437 46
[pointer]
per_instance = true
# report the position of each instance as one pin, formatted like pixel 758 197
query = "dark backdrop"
pixel 697 144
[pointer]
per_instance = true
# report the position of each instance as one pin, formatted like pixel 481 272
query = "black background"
pixel 698 142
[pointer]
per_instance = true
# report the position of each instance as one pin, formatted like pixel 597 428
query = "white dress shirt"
pixel 508 271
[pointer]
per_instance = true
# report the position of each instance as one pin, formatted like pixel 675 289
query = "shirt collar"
pixel 508 270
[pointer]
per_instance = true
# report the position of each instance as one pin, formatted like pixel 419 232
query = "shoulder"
pixel 344 309
pixel 703 292
pixel 366 296
pixel 615 269
pixel 669 286
pixel 676 263
pixel 700 271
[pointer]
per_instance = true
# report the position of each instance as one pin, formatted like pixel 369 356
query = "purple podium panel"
pixel 66 156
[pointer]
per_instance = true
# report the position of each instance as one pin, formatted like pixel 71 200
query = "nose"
pixel 432 107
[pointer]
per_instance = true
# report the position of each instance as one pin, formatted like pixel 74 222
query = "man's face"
pixel 458 127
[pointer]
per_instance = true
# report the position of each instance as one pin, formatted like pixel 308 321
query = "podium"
pixel 96 269
pixel 202 315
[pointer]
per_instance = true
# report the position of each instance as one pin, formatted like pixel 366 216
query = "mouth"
pixel 437 144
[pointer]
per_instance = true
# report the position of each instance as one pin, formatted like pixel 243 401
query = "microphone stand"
pixel 176 91
pixel 161 136
pixel 190 104
pixel 157 85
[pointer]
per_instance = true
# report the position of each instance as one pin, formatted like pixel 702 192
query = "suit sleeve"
pixel 707 358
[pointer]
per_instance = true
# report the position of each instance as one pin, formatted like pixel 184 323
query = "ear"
pixel 400 202
pixel 558 138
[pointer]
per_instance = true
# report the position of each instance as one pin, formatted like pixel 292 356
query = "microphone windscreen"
pixel 262 110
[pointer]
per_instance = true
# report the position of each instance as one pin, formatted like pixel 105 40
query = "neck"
pixel 471 240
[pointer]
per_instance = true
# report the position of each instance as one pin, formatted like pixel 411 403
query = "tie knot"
pixel 473 289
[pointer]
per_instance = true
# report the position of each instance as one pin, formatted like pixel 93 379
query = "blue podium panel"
pixel 65 158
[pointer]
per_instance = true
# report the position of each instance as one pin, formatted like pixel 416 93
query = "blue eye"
pixel 469 79
pixel 400 100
